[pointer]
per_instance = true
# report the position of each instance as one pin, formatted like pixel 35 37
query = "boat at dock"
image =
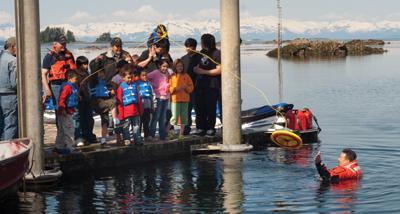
pixel 13 164
pixel 276 119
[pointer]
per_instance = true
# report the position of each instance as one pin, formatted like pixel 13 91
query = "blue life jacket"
pixel 129 93
pixel 100 90
pixel 72 99
pixel 145 90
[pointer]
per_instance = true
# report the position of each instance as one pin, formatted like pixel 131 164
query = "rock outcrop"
pixel 330 48
pixel 374 42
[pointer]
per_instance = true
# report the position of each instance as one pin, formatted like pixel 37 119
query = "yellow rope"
pixel 240 79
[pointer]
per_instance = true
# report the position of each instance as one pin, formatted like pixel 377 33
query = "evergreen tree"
pixel 103 38
pixel 50 33
pixel 70 36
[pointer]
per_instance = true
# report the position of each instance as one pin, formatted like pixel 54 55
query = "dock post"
pixel 230 74
pixel 29 78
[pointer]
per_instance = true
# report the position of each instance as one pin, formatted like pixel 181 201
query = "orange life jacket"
pixel 350 171
pixel 61 65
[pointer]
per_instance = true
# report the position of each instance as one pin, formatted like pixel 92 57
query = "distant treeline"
pixel 50 33
pixel 103 38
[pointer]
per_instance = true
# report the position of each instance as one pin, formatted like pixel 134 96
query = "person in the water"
pixel 347 168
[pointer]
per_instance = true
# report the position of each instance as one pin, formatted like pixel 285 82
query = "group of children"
pixel 141 98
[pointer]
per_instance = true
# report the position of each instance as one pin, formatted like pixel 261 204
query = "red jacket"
pixel 68 96
pixel 129 110
pixel 338 173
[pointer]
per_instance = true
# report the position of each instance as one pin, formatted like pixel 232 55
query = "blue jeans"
pixel 55 92
pixel 159 117
pixel 8 116
pixel 131 126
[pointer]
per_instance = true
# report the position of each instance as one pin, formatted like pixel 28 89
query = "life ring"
pixel 286 139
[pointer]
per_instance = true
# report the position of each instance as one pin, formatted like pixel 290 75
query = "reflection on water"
pixel 344 194
pixel 356 100
pixel 269 180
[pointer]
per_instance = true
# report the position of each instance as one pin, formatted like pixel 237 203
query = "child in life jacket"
pixel 67 104
pixel 346 170
pixel 129 107
pixel 180 87
pixel 116 81
pixel 146 95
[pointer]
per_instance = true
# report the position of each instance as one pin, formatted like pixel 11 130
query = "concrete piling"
pixel 29 78
pixel 230 57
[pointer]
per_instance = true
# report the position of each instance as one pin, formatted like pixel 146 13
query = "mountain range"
pixel 252 28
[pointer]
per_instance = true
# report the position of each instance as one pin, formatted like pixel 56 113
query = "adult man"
pixel 104 68
pixel 149 58
pixel 347 168
pixel 55 64
pixel 8 91
pixel 191 60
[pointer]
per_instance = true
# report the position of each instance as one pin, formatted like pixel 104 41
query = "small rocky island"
pixel 330 48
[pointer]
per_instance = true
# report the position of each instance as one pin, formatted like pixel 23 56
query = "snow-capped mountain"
pixel 262 28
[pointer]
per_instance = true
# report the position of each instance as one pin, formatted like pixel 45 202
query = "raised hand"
pixel 318 158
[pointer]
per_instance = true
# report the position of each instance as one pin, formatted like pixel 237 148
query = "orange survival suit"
pixel 338 173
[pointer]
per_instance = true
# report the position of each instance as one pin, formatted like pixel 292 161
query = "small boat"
pixel 256 114
pixel 274 122
pixel 13 164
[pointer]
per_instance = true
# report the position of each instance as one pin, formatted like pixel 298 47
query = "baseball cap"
pixel 60 39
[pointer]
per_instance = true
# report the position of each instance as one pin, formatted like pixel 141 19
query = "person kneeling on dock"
pixel 67 104
pixel 347 168
pixel 129 107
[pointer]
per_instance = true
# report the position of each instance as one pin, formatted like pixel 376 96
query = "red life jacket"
pixel 61 65
pixel 350 171
pixel 308 118
pixel 291 118
pixel 299 119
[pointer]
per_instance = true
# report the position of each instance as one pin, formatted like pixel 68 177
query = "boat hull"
pixel 261 139
pixel 13 169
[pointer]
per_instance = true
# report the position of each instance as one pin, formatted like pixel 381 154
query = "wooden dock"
pixel 93 157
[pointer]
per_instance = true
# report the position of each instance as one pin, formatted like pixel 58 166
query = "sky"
pixel 86 11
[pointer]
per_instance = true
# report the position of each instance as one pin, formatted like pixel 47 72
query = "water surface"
pixel 356 100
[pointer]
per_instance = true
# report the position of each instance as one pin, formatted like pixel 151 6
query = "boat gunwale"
pixel 25 142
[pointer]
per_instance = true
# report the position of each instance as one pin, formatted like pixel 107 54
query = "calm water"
pixel 356 101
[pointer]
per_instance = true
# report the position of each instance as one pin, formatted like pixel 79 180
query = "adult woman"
pixel 208 86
